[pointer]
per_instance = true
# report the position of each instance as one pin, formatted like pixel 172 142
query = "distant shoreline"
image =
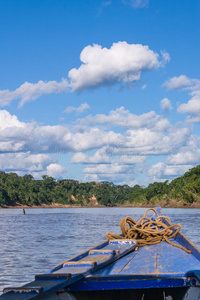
pixel 137 205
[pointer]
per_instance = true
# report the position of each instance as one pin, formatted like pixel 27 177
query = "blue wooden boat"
pixel 119 269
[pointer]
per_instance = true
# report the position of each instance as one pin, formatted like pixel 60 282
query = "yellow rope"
pixel 148 232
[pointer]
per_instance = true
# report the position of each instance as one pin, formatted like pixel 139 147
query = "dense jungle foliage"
pixel 25 190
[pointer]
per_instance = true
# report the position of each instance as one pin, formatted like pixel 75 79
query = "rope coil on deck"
pixel 148 231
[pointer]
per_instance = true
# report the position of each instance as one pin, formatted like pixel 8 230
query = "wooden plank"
pixel 71 271
pixel 144 262
pixel 116 267
pixel 173 260
pixel 185 242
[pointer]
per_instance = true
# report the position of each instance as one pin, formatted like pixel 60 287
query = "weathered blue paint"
pixel 182 240
pixel 72 270
pixel 126 282
pixel 144 262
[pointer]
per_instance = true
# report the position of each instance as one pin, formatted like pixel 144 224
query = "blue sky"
pixel 100 90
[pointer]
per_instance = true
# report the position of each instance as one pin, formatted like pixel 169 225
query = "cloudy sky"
pixel 100 90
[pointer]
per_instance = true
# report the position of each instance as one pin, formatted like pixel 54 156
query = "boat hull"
pixel 119 269
pixel 182 293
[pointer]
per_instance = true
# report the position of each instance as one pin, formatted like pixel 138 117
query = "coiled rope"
pixel 148 231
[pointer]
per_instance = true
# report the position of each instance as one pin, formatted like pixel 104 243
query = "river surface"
pixel 44 237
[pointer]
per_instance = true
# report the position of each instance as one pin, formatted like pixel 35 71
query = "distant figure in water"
pixel 24 211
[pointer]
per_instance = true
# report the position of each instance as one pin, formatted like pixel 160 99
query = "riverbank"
pixel 136 205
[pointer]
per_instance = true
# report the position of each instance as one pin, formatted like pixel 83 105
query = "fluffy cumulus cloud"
pixel 116 147
pixel 20 142
pixel 55 170
pixel 192 86
pixel 177 163
pixel 100 157
pixel 192 107
pixel 16 136
pixel 147 135
pixel 163 171
pixel 121 174
pixel 177 82
pixel 27 163
pixel 185 157
pixel 106 169
pixel 122 63
pixel 112 172
pixel 106 156
pixel 149 142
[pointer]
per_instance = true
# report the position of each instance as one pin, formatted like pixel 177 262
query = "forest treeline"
pixel 25 190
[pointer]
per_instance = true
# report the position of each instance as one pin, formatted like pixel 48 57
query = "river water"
pixel 33 243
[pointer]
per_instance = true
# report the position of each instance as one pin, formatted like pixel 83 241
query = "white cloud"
pixel 130 159
pixel 162 171
pixel 100 157
pixel 55 170
pixel 17 136
pixel 150 135
pixel 112 155
pixel 92 139
pixel 166 105
pixel 79 109
pixel 157 170
pixel 31 91
pixel 123 62
pixel 192 107
pixel 60 138
pixel 120 174
pixel 150 142
pixel 79 157
pixel 185 157
pixel 26 162
pixel 21 141
pixel 9 121
pixel 177 82
pixel 103 156
pixel 106 169
pixel 123 118
pixel 162 125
